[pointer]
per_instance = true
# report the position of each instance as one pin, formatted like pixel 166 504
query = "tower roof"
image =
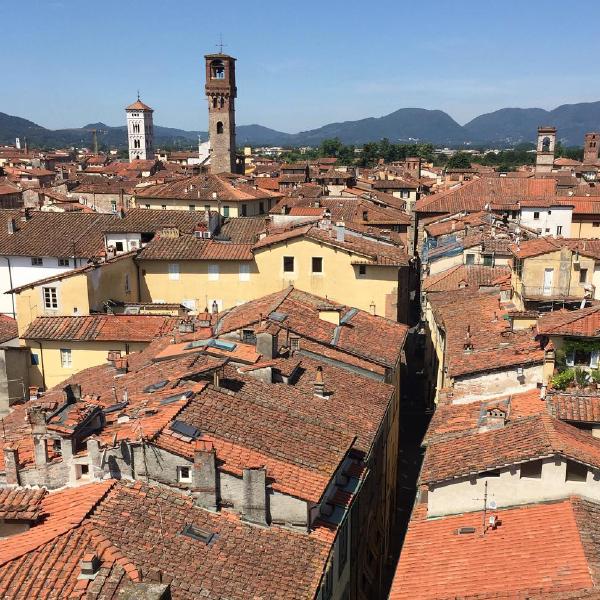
pixel 139 105
pixel 219 55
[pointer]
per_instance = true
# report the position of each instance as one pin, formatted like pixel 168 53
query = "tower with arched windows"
pixel 544 157
pixel 140 131
pixel 221 93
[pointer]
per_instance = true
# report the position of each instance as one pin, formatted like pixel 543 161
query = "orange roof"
pixel 139 105
pixel 535 550
pixel 584 322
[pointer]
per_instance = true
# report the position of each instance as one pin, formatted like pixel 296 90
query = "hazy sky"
pixel 300 65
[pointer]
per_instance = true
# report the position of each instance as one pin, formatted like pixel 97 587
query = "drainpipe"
pixel 12 296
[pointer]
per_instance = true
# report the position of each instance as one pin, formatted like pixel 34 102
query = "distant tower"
pixel 546 141
pixel 140 131
pixel 221 93
pixel 590 149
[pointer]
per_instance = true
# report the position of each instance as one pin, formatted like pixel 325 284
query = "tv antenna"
pixel 491 506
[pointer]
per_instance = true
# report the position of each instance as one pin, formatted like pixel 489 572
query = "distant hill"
pixel 506 126
pixel 514 125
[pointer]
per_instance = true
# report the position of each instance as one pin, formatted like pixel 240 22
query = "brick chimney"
pixel 254 503
pixel 204 476
pixel 319 383
pixel 11 465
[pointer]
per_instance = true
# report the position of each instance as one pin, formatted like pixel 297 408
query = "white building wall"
pixel 549 219
pixel 23 272
pixel 466 494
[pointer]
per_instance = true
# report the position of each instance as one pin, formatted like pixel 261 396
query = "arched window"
pixel 219 127
pixel 215 102
pixel 217 69
pixel 221 102
pixel 546 144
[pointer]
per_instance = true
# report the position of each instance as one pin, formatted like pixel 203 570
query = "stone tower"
pixel 221 93
pixel 590 148
pixel 140 131
pixel 546 140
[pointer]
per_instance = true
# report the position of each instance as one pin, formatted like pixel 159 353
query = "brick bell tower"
pixel 221 93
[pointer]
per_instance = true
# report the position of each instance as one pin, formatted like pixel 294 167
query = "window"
pixel 596 224
pixel 362 270
pixel 244 210
pixel 244 272
pixel 217 69
pixel 583 275
pixel 317 264
pixel 404 194
pixel 184 475
pixel 64 262
pixel 536 215
pixel 191 207
pixel 575 471
pixel 66 361
pixel 173 271
pixel 213 272
pixel 113 206
pixel 261 207
pixel 35 359
pixel 119 246
pixel 531 470
pixel 219 127
pixel 248 336
pixel 50 298
pixel 226 211
pixel 470 259
pixel 294 344
pixel 36 261
pixel 288 264
pixel 146 206
pixel 488 260
pixel 127 284
pixel 559 230
pixel 163 206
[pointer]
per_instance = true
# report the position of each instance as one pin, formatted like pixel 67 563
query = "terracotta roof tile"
pixel 584 322
pixel 131 328
pixel 506 562
pixel 460 276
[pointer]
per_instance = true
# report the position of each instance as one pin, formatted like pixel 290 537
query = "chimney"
pixel 72 393
pixel 89 564
pixel 144 590
pixel 34 392
pixel 340 231
pixel 319 384
pixel 112 356
pixel 495 417
pixel 12 226
pixel 11 465
pixel 37 420
pixel 267 343
pixel 121 365
pixel 25 214
pixel 186 326
pixel 254 503
pixel 204 476
pixel 216 378
pixel 94 460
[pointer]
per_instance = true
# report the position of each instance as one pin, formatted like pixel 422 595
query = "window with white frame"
pixel 50 298
pixel 184 474
pixel 173 271
pixel 213 272
pixel 66 360
pixel 244 272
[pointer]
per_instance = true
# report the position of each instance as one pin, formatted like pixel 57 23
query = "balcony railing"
pixel 556 292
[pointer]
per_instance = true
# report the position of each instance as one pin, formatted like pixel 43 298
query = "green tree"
pixel 460 160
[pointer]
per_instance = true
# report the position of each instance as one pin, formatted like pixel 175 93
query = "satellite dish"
pixel 493 505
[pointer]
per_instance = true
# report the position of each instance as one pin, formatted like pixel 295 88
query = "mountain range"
pixel 504 127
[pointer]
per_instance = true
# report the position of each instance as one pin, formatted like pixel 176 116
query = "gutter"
pixel 12 296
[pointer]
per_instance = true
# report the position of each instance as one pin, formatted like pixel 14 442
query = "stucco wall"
pixel 466 494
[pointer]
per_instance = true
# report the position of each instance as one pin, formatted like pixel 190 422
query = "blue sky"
pixel 300 64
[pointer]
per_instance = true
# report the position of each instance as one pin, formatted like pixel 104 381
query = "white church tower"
pixel 140 131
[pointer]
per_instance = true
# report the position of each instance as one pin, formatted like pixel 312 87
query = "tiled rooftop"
pixel 539 551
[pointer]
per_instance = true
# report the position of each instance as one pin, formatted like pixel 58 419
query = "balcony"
pixel 570 293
